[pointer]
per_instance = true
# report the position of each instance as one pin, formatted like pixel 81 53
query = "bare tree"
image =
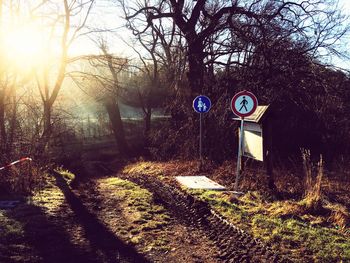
pixel 161 54
pixel 111 102
pixel 101 80
pixel 70 32
pixel 157 70
pixel 317 25
pixel 10 81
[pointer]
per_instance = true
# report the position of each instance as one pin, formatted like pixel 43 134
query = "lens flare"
pixel 23 46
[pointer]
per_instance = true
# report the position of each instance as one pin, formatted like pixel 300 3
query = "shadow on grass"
pixel 38 237
pixel 49 241
pixel 100 237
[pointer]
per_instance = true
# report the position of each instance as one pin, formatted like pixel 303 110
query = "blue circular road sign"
pixel 201 104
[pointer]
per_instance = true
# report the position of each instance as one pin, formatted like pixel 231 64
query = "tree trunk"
pixel 113 111
pixel 196 67
pixel 147 119
pixel 2 123
pixel 12 125
pixel 46 135
pixel 47 119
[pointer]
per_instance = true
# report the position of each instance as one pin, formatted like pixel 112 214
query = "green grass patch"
pixel 9 228
pixel 67 175
pixel 300 240
pixel 142 213
pixel 12 240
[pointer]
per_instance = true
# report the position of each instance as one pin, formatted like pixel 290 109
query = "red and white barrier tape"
pixel 16 162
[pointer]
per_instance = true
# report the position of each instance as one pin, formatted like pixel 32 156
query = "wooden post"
pixel 268 162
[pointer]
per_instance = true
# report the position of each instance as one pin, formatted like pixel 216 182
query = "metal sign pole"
pixel 201 104
pixel 200 140
pixel 239 157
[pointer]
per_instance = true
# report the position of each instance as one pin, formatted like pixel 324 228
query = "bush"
pixel 22 179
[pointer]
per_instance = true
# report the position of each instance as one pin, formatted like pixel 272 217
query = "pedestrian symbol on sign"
pixel 202 107
pixel 201 104
pixel 244 103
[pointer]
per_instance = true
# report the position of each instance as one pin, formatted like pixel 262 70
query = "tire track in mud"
pixel 102 239
pixel 234 245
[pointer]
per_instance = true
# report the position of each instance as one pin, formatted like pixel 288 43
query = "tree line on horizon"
pixel 276 49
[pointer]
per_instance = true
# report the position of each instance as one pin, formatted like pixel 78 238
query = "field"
pixel 107 211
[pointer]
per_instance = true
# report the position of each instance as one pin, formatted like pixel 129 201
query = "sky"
pixel 106 14
pixel 112 18
pixel 344 63
pixel 346 5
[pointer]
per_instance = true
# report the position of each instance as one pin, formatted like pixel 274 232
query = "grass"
pixel 143 167
pixel 276 224
pixel 162 169
pixel 12 240
pixel 145 218
pixel 312 229
pixel 66 174
pixel 21 181
pixel 9 228
pixel 141 224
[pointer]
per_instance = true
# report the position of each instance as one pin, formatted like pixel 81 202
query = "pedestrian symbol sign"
pixel 201 104
pixel 244 104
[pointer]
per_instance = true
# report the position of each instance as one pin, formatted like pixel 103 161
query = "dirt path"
pixel 233 244
pixel 101 221
pixel 58 227
pixel 146 224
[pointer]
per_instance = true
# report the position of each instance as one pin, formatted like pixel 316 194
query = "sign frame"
pixel 202 96
pixel 244 93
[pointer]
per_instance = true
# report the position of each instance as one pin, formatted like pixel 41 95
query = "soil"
pixel 89 224
pixel 91 220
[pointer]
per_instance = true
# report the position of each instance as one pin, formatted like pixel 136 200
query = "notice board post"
pixel 257 140
pixel 268 161
pixel 243 104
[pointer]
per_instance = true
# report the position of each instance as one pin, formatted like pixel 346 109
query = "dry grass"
pixel 309 226
pixel 339 215
pixel 22 180
pixel 288 181
pixel 312 187
pixel 285 209
pixel 162 169
pixel 285 225
pixel 312 207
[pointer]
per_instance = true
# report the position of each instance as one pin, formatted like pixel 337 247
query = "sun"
pixel 23 46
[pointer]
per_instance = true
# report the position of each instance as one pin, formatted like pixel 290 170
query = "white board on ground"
pixel 199 182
